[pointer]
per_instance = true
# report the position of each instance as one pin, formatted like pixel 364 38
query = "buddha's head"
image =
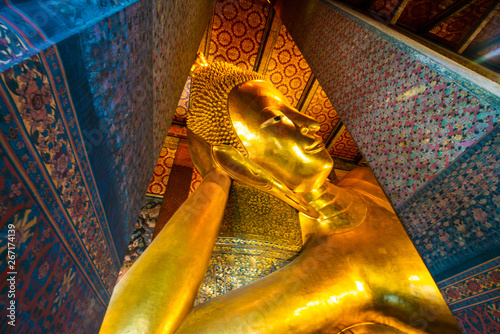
pixel 239 113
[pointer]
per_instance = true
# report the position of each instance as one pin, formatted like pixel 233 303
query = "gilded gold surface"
pixel 358 272
pixel 160 288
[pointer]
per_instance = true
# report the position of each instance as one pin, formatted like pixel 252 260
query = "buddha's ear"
pixel 243 169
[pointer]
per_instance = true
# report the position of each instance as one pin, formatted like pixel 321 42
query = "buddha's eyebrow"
pixel 271 120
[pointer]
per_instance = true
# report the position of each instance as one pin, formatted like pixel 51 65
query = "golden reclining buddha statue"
pixel 358 271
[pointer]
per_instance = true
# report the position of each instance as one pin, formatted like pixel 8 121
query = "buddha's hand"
pixel 227 159
pixel 339 209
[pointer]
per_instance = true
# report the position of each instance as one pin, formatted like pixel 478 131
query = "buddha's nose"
pixel 313 127
pixel 306 124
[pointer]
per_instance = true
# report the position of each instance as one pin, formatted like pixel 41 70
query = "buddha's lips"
pixel 315 147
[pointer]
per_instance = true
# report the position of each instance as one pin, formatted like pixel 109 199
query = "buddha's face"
pixel 277 137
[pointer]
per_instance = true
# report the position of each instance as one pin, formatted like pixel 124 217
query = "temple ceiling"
pixel 470 28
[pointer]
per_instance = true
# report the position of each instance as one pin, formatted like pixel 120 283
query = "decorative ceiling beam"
pixel 444 15
pixel 208 37
pixel 399 11
pixel 480 24
pixel 267 42
pixel 307 94
pixel 333 134
pixel 483 46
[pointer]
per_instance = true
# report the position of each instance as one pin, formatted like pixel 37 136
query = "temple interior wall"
pixel 74 170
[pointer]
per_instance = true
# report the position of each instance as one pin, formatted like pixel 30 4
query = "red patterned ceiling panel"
pixel 385 8
pixel 452 31
pixel 322 110
pixel 195 181
pixel 237 31
pixel 288 70
pixel 417 13
pixel 345 147
pixel 164 166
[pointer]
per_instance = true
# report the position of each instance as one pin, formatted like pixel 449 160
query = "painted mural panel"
pixel 50 194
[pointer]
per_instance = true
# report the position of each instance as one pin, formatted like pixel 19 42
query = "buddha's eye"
pixel 272 120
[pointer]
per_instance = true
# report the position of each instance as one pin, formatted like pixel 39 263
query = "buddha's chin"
pixel 309 186
pixel 312 182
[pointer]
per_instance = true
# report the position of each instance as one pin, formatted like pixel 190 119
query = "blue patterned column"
pixel 80 132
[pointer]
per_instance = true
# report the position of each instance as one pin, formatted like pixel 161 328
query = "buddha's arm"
pixel 370 277
pixel 159 290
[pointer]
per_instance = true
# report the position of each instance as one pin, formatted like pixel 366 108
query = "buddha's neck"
pixel 340 210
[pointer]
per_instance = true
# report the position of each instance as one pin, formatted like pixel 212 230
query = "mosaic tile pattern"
pixel 322 110
pixel 119 80
pixel 340 174
pixel 457 216
pixel 178 28
pixel 259 234
pixel 143 233
pixel 288 70
pixel 238 262
pixel 237 31
pixel 181 111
